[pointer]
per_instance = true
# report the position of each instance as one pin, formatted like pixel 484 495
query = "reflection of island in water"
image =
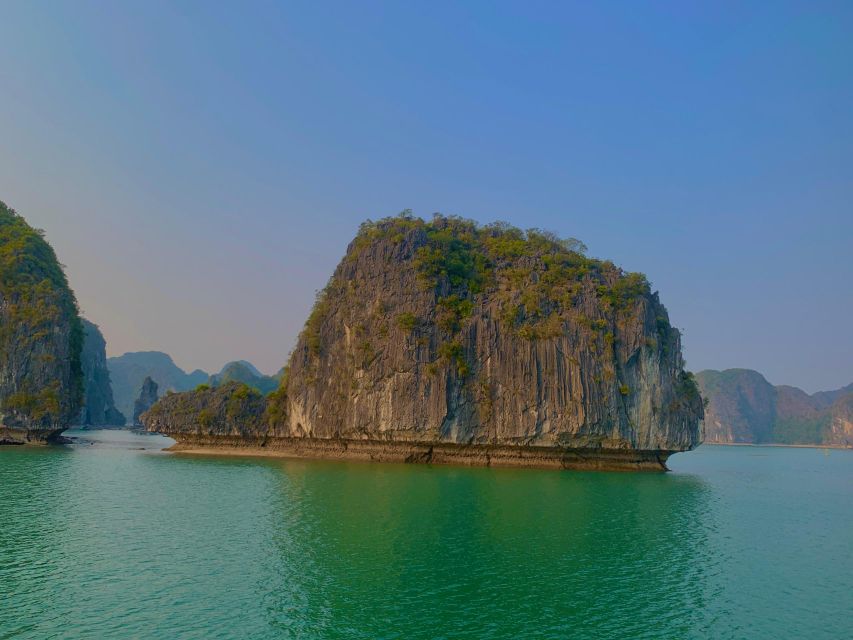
pixel 501 550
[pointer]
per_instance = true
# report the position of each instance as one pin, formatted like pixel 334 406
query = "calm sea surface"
pixel 110 540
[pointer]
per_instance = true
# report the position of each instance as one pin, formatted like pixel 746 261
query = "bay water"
pixel 112 538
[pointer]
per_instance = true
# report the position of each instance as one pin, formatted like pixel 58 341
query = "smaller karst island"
pixel 440 341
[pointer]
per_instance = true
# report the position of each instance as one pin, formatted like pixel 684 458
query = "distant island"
pixel 128 373
pixel 446 341
pixel 743 408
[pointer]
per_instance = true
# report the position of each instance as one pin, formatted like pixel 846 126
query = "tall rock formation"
pixel 98 405
pixel 41 337
pixel 744 408
pixel 483 341
pixel 147 398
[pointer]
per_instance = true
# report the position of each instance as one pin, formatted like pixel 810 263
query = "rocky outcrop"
pixel 147 398
pixel 98 406
pixel 232 409
pixel 479 339
pixel 128 371
pixel 41 337
pixel 744 408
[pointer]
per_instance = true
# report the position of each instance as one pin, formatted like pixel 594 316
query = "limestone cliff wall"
pixel 41 337
pixel 536 351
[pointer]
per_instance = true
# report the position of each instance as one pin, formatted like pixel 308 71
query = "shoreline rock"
pixel 530 457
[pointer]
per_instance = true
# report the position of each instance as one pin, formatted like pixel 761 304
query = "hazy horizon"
pixel 201 169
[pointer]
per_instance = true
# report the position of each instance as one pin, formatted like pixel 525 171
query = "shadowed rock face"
pixel 98 405
pixel 41 337
pixel 446 332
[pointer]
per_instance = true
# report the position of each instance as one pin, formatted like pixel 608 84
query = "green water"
pixel 105 540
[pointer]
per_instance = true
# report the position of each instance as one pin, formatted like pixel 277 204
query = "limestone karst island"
pixel 445 341
pixel 426 320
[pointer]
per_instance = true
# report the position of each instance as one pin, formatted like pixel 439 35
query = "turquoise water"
pixel 105 540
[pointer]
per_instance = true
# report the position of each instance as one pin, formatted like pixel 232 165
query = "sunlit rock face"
pixel 449 332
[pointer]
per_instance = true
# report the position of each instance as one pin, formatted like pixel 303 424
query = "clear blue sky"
pixel 201 167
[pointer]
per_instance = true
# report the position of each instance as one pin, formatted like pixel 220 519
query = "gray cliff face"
pixel 40 337
pixel 147 398
pixel 448 333
pixel 98 405
pixel 598 378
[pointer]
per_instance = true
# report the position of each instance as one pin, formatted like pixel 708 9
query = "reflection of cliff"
pixel 604 553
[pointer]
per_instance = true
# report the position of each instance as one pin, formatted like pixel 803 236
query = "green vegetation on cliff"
pixel 541 283
pixel 232 408
pixel 41 335
pixel 243 372
pixel 536 274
